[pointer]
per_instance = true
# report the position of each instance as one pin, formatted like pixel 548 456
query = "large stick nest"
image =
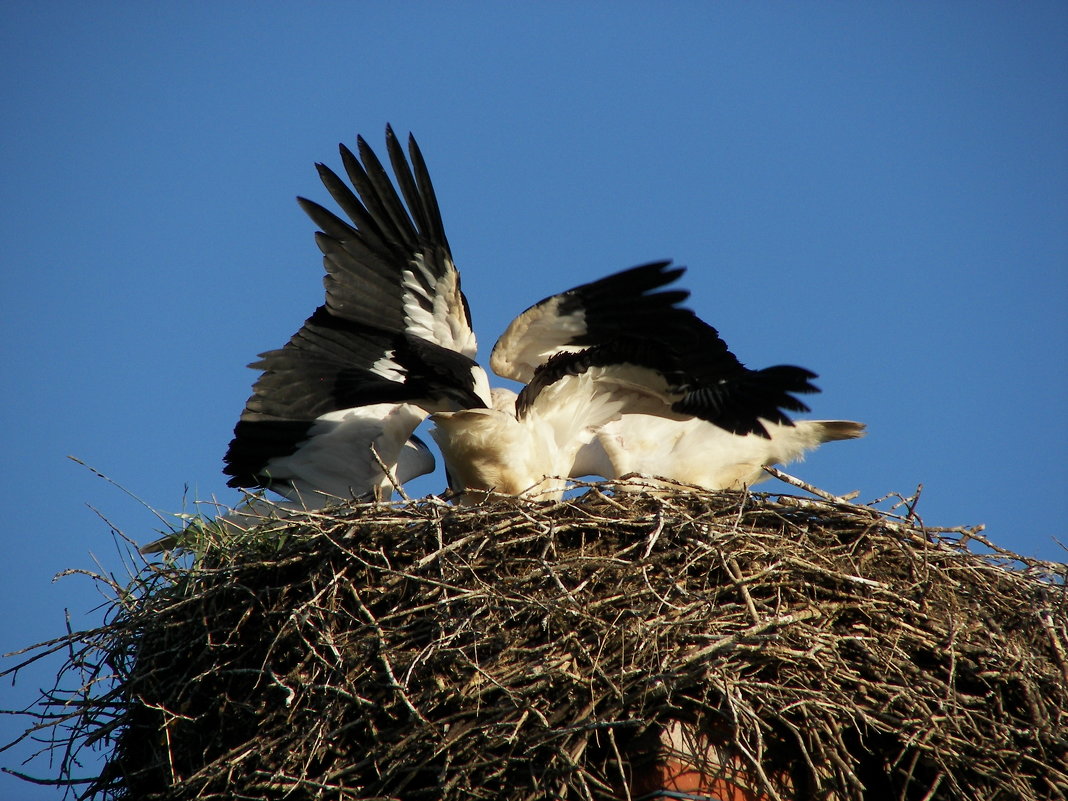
pixel 521 651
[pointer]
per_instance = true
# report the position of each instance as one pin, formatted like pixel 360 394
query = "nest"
pixel 820 649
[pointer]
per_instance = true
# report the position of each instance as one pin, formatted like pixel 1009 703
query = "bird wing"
pixel 337 456
pixel 391 267
pixel 334 369
pixel 725 392
pixel 677 377
pixel 392 341
pixel 628 304
pixel 589 315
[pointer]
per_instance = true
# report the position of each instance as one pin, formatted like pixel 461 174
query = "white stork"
pixel 393 343
pixel 331 394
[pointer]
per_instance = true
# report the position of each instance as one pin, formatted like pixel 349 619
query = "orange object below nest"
pixel 689 765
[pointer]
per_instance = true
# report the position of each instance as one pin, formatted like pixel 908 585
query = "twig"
pixel 388 473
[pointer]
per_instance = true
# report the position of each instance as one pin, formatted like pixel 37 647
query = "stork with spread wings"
pixel 619 377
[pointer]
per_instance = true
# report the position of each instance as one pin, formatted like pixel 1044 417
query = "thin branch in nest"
pixel 793 481
pixel 388 473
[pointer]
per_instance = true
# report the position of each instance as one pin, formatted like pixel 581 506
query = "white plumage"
pixel 322 469
pixel 619 378
pixel 702 454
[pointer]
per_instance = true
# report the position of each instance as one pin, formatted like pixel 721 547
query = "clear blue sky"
pixel 875 191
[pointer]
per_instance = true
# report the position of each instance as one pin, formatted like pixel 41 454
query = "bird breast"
pixel 491 451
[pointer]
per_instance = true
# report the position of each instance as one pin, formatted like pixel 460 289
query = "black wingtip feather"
pixel 423 213
pixel 616 304
pixel 328 222
pixel 739 402
pixel 435 225
pixel 255 443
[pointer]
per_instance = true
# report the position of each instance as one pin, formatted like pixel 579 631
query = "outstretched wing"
pixel 392 341
pixel 336 375
pixel 592 314
pixel 723 391
pixel 680 370
pixel 391 267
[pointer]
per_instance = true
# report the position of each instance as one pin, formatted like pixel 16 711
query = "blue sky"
pixel 875 191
